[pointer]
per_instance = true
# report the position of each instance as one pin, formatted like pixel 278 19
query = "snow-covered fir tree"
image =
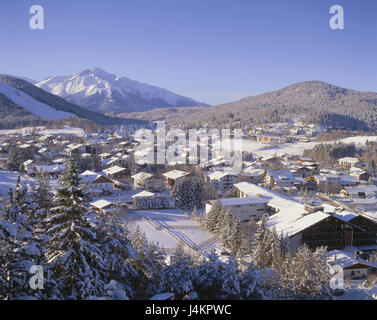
pixel 113 238
pixel 19 249
pixel 259 248
pixel 188 193
pixel 74 255
pixel 235 240
pixel 147 263
pixel 214 218
pixel 179 276
pixel 226 230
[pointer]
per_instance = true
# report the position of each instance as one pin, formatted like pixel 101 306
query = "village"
pixel 303 200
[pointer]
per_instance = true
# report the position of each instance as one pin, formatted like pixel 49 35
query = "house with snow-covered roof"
pixel 223 180
pixel 97 183
pixel 175 176
pixel 281 179
pixel 359 192
pixel 148 181
pixel 315 226
pixel 105 206
pixel 244 208
pixel 117 173
pixel 52 171
pixel 353 266
pixel 348 162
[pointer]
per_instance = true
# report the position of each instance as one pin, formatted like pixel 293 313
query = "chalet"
pixel 98 184
pixel 52 171
pixel 252 175
pixel 117 173
pixel 353 266
pixel 281 179
pixel 175 176
pixel 314 225
pixel 334 230
pixel 115 161
pixel 348 162
pixel 359 192
pixel 324 182
pixel 360 174
pixel 223 180
pixel 75 149
pixel 244 208
pixel 148 181
pixel 104 206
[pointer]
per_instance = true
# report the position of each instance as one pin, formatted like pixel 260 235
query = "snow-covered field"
pixel 298 148
pixel 170 227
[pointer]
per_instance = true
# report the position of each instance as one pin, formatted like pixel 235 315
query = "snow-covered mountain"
pixel 22 102
pixel 36 107
pixel 100 91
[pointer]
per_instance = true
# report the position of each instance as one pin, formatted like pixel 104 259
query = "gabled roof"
pixel 175 174
pixel 101 204
pixel 91 177
pixel 347 259
pixel 219 175
pixel 142 176
pixel 143 194
pixel 114 169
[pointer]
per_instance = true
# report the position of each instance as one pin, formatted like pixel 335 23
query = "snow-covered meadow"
pixel 266 150
pixel 170 227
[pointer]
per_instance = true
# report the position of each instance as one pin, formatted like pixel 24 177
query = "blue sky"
pixel 211 50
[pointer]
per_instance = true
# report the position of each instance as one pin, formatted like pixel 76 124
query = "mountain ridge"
pixel 312 101
pixel 104 92
pixel 41 104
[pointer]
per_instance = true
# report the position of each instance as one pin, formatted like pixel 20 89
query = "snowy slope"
pixel 38 108
pixel 98 90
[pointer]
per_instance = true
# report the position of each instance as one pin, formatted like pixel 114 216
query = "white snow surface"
pixel 169 227
pixel 38 108
pixel 298 148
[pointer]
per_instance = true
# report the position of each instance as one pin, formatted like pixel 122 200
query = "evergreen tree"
pixel 75 257
pixel 236 237
pixel 148 263
pixel 19 250
pixel 113 237
pixel 179 276
pixel 259 249
pixel 249 287
pixel 226 230
pixel 214 217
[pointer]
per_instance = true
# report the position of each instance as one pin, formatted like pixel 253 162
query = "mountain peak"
pixel 98 90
